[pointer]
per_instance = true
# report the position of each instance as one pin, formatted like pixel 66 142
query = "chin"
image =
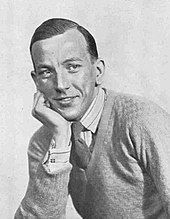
pixel 72 115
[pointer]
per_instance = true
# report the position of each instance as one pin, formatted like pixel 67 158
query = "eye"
pixel 73 68
pixel 45 74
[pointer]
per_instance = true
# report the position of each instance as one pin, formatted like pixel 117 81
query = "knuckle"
pixel 33 112
pixel 36 110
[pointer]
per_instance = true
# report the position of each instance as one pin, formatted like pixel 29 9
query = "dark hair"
pixel 56 26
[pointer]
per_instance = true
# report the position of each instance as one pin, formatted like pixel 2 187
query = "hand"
pixel 59 126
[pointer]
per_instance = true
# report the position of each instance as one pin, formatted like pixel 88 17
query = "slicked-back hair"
pixel 57 26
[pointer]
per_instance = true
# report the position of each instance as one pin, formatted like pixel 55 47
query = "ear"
pixel 34 77
pixel 100 67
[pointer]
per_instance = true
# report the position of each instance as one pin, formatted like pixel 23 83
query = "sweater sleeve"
pixel 151 134
pixel 47 192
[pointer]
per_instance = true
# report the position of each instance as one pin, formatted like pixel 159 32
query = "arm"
pixel 47 191
pixel 151 131
pixel 46 195
pixel 158 153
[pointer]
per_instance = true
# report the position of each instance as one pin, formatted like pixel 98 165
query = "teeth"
pixel 66 99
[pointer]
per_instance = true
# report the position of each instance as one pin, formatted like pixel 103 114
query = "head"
pixel 67 69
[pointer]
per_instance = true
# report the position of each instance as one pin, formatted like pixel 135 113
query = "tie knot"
pixel 77 128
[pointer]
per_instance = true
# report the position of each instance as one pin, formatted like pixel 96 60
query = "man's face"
pixel 65 74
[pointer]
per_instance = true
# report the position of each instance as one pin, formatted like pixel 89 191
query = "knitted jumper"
pixel 128 175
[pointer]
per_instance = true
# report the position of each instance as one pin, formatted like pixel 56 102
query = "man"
pixel 109 151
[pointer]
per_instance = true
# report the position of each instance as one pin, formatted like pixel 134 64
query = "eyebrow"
pixel 72 60
pixel 43 66
pixel 64 62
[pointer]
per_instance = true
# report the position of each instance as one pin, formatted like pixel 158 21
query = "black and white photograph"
pixel 85 109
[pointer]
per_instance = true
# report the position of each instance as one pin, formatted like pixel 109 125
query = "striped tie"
pixel 80 148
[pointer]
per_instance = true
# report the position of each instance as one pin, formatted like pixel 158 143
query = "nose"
pixel 61 81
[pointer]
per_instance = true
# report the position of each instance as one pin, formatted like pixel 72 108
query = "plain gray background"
pixel 132 36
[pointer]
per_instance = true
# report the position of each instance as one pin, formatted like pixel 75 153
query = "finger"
pixel 41 119
pixel 47 103
pixel 41 100
pixel 36 98
pixel 40 105
pixel 44 116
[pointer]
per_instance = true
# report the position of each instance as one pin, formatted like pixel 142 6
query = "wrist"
pixel 62 138
pixel 62 130
pixel 61 142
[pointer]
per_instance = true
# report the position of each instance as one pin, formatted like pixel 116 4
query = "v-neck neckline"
pixel 102 137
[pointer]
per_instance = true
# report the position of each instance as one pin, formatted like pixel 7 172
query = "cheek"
pixel 83 86
pixel 89 85
pixel 45 87
pixel 85 82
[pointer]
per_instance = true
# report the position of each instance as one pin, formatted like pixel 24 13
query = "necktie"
pixel 81 151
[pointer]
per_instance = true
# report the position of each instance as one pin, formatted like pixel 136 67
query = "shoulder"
pixel 142 123
pixel 136 108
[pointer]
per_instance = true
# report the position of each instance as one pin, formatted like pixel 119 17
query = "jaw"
pixel 75 109
pixel 72 112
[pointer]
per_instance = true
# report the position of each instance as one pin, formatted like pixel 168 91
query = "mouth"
pixel 65 100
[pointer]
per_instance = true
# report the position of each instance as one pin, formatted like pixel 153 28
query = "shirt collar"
pixel 92 116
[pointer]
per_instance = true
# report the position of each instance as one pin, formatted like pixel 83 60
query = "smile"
pixel 65 100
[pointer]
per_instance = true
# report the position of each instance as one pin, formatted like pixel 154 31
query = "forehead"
pixel 63 46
